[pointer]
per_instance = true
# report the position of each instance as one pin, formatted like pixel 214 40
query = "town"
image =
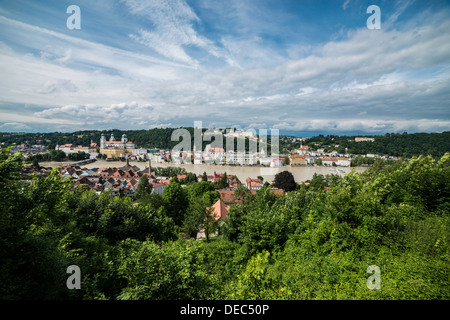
pixel 123 181
pixel 297 154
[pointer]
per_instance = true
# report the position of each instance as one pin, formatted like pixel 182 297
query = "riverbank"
pixel 242 172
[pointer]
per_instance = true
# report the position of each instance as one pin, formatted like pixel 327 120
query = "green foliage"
pixel 169 171
pixel 392 144
pixel 308 244
pixel 144 187
pixel 223 182
pixel 175 201
pixel 58 155
pixel 285 180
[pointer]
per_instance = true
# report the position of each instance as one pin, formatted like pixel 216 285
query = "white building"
pixel 158 188
pixel 343 162
pixel 71 148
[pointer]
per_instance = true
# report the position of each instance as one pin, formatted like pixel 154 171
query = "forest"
pixel 391 144
pixel 311 243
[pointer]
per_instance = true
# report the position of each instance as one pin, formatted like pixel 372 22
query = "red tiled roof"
pixel 156 184
pixel 219 210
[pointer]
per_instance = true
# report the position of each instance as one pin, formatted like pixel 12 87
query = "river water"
pixel 242 172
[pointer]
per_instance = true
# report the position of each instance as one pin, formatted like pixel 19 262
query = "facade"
pixel 343 162
pixel 254 184
pixel 114 149
pixel 71 148
pixel 297 160
pixel 360 139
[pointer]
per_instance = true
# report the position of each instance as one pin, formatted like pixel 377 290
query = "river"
pixel 242 172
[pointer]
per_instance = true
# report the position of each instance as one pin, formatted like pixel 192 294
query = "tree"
pixel 318 182
pixel 285 180
pixel 204 176
pixel 190 178
pixel 36 163
pixel 144 187
pixel 210 197
pixel 223 182
pixel 175 201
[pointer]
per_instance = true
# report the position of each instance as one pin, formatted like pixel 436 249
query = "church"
pixel 116 149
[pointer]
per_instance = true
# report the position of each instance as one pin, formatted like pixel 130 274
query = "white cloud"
pixel 14 126
pixel 384 80
pixel 173 29
pixel 345 4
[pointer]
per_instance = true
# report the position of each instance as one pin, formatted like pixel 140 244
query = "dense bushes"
pixel 307 244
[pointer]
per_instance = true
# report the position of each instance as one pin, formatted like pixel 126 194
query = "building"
pixel 297 160
pixel 219 212
pixel 328 161
pixel 114 149
pixel 343 162
pixel 158 188
pixel 254 184
pixel 360 139
pixel 71 148
pixel 303 150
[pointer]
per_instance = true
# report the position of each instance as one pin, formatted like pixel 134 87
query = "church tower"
pixel 124 138
pixel 112 137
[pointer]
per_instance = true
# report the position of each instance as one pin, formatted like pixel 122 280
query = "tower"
pixel 124 138
pixel 112 137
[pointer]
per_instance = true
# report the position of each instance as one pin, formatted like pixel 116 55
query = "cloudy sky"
pixel 304 65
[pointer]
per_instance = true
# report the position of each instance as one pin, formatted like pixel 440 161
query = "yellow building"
pixel 115 149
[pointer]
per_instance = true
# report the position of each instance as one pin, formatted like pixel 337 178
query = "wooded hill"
pixel 392 144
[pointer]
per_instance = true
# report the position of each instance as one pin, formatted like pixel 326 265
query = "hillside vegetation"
pixel 308 244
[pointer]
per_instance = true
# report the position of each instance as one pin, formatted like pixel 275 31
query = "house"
pixel 327 161
pixel 219 212
pixel 254 184
pixel 132 184
pixel 108 184
pixel 276 162
pixel 297 160
pixel 158 188
pixel 235 182
pixel 302 150
pixel 334 153
pixel 228 197
pixel 343 162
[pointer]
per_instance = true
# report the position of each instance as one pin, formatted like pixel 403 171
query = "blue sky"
pixel 305 65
